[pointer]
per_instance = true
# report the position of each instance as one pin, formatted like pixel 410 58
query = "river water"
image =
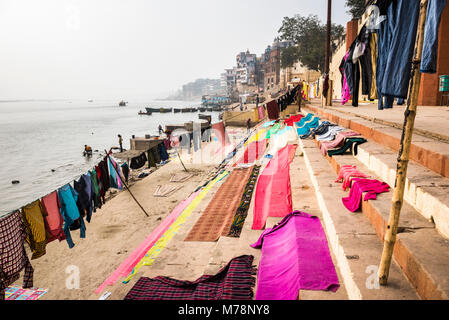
pixel 38 136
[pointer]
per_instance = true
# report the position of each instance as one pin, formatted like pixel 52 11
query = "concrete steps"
pixel 427 184
pixel 421 252
pixel 428 149
pixel 352 238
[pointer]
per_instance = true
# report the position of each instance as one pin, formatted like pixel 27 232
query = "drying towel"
pixel 273 192
pixel 273 110
pixel 347 173
pixel 371 186
pixel 34 222
pixel 330 134
pixel 138 162
pixel 295 256
pixel 13 257
pixel 52 217
pixel 233 282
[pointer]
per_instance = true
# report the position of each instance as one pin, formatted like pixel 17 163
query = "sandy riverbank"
pixel 114 232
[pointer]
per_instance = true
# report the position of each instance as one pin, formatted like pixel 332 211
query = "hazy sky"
pixel 132 49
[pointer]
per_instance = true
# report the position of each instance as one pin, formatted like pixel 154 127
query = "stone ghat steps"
pixel 428 150
pixel 427 185
pixel 421 251
pixel 352 238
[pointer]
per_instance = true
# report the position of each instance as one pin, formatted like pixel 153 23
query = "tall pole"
pixel 404 151
pixel 328 46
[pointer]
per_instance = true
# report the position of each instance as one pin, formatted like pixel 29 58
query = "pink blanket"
pixel 295 256
pixel 127 265
pixel 371 186
pixel 273 191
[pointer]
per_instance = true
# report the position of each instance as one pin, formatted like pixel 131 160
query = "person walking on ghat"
pixel 248 125
pixel 257 101
pixel 160 129
pixel 120 142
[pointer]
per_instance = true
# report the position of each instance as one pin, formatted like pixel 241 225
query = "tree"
pixel 356 8
pixel 309 36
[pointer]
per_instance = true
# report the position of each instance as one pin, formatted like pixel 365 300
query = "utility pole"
pixel 328 52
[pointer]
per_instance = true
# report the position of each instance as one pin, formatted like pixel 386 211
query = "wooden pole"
pixel 404 151
pixel 328 46
pixel 181 160
pixel 107 155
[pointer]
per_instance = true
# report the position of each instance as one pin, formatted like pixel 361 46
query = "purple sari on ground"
pixel 295 256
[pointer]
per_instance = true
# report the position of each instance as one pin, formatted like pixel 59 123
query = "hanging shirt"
pixel 138 162
pixel 13 257
pixel 69 210
pixel 52 217
pixel 34 222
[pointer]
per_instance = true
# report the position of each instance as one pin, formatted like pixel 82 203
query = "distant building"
pixel 200 87
pixel 272 64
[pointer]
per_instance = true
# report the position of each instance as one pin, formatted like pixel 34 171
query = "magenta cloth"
pixel 273 110
pixel 345 92
pixel 338 140
pixel 347 173
pixel 273 191
pixel 130 262
pixel 295 256
pixel 371 186
pixel 260 110
pixel 253 152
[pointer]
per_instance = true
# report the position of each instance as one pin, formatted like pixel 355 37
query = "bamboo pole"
pixel 404 150
pixel 127 188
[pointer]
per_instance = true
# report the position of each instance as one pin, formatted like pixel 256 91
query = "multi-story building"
pixel 272 64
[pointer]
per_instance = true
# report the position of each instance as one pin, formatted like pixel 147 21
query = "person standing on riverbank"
pixel 120 142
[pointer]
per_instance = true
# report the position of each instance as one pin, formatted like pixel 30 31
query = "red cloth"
pixel 273 110
pixel 233 282
pixel 290 121
pixel 52 218
pixel 273 191
pixel 253 152
pixel 220 133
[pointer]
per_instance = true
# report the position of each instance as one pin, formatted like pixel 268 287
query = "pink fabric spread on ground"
pixel 253 152
pixel 273 192
pixel 338 140
pixel 371 186
pixel 127 265
pixel 347 173
pixel 295 256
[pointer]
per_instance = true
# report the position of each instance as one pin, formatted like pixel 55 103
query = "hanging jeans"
pixel 402 25
pixel 430 47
